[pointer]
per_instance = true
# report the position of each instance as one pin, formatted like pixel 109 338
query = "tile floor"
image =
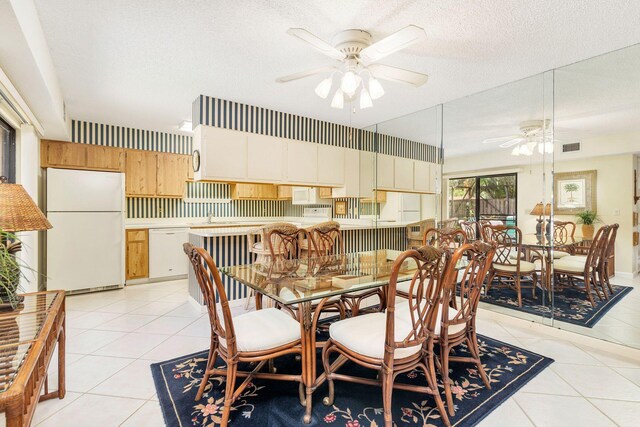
pixel 114 336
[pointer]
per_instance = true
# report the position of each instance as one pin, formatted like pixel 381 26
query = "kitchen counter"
pixel 241 230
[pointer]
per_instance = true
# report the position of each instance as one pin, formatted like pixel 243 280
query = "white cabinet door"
pixel 403 173
pixel 351 187
pixel 422 179
pixel 367 174
pixel 223 154
pixel 265 158
pixel 330 165
pixel 302 162
pixel 385 172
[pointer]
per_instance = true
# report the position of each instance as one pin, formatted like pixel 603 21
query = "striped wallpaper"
pixel 242 117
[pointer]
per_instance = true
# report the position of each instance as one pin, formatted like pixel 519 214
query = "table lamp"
pixel 538 210
pixel 18 212
pixel 547 213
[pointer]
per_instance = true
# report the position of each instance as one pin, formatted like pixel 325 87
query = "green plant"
pixel 10 269
pixel 571 188
pixel 587 217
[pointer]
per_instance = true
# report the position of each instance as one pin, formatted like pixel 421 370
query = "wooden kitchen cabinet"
pixel 137 254
pixel 285 192
pixel 324 192
pixel 140 173
pixel 74 155
pixel 188 164
pixel 254 191
pixel 171 175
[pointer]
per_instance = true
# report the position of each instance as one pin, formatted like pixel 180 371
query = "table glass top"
pixel 545 241
pixel 19 329
pixel 316 278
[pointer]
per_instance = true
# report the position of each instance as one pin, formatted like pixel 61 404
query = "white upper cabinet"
pixel 302 162
pixel 385 172
pixel 422 176
pixel 223 154
pixel 367 174
pixel 403 173
pixel 351 187
pixel 330 165
pixel 265 158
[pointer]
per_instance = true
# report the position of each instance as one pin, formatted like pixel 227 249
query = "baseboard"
pixel 625 275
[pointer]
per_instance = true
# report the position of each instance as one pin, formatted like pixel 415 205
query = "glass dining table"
pixel 308 283
pixel 544 246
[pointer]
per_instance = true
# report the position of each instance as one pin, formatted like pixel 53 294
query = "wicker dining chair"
pixel 326 242
pixel 255 337
pixel 400 340
pixel 470 229
pixel 573 268
pixel 509 265
pixel 607 258
pixel 562 232
pixel 458 323
pixel 286 255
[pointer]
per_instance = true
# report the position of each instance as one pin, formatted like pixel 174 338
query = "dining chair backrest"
pixel 596 253
pixel 423 299
pixel 482 224
pixel 326 239
pixel 284 246
pixel 508 241
pixel 214 294
pixel 563 230
pixel 470 228
pixel 611 242
pixel 462 288
pixel 445 238
pixel 449 223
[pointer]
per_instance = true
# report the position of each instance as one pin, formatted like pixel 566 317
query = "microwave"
pixel 305 196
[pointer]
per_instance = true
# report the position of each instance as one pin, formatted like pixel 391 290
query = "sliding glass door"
pixel 488 197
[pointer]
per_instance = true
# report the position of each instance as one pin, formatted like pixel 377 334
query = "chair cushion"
pixel 264 329
pixel 569 264
pixel 366 335
pixel 578 258
pixel 560 254
pixel 525 267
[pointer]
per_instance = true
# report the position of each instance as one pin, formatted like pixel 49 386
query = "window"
pixel 7 151
pixel 490 197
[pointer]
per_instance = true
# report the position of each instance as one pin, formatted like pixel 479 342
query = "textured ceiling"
pixel 141 63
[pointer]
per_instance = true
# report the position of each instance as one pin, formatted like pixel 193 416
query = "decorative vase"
pixel 587 231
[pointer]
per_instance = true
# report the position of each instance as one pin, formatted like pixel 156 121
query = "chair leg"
pixel 444 372
pixel 387 389
pixel 213 354
pixel 587 289
pixel 472 341
pixel 432 382
pixel 490 277
pixel 607 278
pixel 594 283
pixel 328 401
pixel 232 368
pixel 519 291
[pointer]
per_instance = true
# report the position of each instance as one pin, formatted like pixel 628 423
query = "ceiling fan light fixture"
pixel 338 99
pixel 365 99
pixel 515 151
pixel 375 88
pixel 350 83
pixel 324 87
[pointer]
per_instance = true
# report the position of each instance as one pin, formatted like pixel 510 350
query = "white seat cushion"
pixel 366 335
pixel 578 258
pixel 525 267
pixel 560 254
pixel 263 330
pixel 569 264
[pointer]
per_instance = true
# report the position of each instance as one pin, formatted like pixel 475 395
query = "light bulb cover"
pixel 338 99
pixel 350 83
pixel 324 87
pixel 365 99
pixel 375 88
pixel 515 151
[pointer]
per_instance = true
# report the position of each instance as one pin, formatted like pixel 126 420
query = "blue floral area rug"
pixel 570 305
pixel 276 403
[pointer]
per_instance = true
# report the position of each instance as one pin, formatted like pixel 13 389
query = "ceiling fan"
pixel 532 133
pixel 358 58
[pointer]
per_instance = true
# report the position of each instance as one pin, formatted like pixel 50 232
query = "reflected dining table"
pixel 306 285
pixel 544 246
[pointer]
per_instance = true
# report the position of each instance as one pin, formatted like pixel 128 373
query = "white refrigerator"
pixel 85 247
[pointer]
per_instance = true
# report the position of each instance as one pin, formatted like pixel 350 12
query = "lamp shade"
pixel 18 212
pixel 537 210
pixel 547 209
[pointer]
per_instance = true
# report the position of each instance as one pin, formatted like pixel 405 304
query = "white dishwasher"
pixel 166 256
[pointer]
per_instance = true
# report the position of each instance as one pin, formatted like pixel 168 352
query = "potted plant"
pixel 9 271
pixel 587 219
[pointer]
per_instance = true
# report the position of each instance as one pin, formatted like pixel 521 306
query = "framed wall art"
pixel 341 208
pixel 574 192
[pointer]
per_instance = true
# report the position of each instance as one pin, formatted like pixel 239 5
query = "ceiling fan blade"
pixel 500 139
pixel 400 75
pixel 303 74
pixel 316 42
pixel 512 142
pixel 393 43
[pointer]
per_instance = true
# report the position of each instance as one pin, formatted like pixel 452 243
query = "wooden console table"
pixel 28 337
